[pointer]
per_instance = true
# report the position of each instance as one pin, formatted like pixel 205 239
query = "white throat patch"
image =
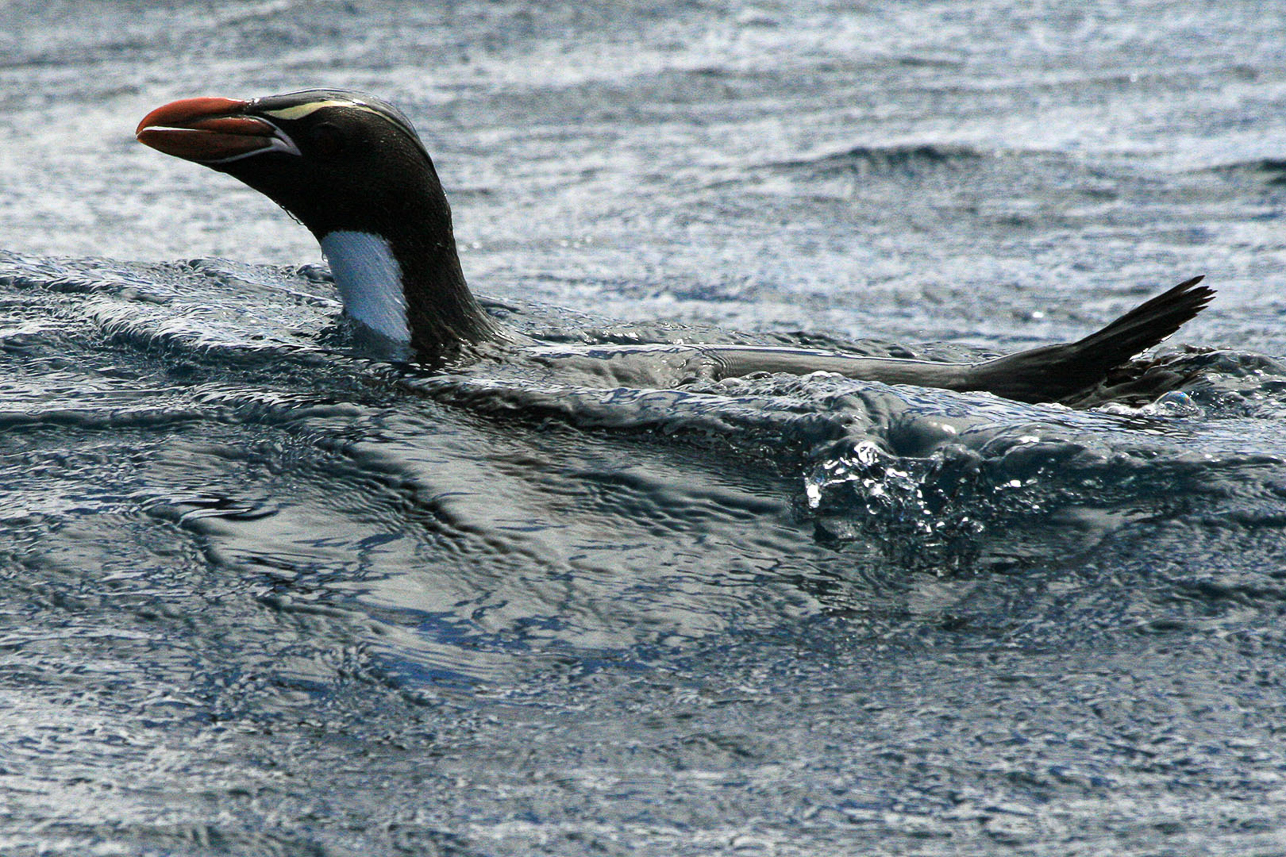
pixel 369 281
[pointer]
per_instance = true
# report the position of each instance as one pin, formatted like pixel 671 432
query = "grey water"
pixel 264 592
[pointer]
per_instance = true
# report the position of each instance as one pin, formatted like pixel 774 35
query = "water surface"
pixel 263 592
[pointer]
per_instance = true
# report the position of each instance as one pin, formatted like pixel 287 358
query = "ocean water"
pixel 262 592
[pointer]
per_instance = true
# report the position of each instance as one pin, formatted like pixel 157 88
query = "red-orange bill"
pixel 204 129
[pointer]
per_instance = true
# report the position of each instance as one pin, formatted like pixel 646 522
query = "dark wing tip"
pixel 1198 296
pixel 1153 320
pixel 1055 372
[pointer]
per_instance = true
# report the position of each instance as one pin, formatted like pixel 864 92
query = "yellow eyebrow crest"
pixel 299 111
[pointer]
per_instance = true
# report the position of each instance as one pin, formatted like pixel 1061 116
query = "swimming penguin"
pixel 353 170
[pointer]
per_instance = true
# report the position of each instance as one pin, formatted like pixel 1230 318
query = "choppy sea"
pixel 263 593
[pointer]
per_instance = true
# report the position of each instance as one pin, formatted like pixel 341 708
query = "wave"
pixel 905 158
pixel 1270 170
pixel 938 479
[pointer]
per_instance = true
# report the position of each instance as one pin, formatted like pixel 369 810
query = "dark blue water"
pixel 263 593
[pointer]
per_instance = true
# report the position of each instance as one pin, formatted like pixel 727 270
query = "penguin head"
pixel 335 160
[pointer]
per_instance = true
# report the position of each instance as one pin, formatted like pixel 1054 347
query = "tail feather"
pixel 1058 372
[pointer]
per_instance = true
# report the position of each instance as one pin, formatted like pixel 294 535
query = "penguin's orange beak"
pixel 210 130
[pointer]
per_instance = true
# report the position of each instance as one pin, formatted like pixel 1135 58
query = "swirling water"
pixel 262 591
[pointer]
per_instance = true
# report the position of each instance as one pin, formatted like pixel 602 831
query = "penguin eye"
pixel 326 139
